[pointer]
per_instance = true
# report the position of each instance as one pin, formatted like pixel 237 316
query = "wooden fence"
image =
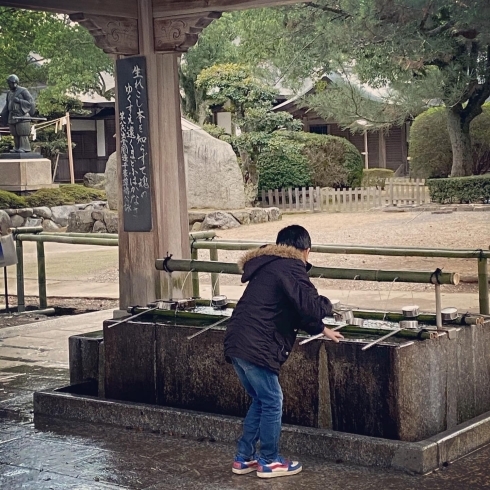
pixel 395 193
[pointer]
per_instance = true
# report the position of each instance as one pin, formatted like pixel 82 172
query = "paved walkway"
pixel 66 455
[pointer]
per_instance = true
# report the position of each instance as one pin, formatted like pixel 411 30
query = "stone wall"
pixel 54 218
pixel 95 217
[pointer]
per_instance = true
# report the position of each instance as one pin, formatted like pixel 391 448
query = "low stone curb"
pixel 415 457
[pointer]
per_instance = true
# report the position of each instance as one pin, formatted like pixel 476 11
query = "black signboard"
pixel 135 142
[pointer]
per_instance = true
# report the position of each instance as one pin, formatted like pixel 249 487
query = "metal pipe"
pixel 41 276
pixel 213 255
pixel 46 311
pixel 483 292
pixel 355 250
pixel 20 276
pixel 424 277
pixel 438 306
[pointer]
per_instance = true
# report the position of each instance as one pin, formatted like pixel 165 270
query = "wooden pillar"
pixel 382 149
pixel 160 37
pixel 139 281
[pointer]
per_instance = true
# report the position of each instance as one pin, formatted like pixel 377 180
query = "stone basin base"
pixel 75 403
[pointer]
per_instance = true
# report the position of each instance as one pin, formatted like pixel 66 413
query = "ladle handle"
pixel 320 335
pixel 207 328
pixel 377 341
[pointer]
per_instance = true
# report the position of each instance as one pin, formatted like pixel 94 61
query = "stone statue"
pixel 17 113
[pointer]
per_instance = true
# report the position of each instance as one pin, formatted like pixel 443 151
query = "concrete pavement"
pixel 65 455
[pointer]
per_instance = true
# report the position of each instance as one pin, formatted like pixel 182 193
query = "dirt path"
pixel 470 230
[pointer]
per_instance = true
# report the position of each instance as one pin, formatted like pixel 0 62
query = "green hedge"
pixel 430 147
pixel 460 189
pixel 9 200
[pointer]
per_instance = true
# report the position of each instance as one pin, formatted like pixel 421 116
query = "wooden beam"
pixel 123 8
pixel 165 8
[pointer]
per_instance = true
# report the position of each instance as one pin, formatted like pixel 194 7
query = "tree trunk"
pixel 459 134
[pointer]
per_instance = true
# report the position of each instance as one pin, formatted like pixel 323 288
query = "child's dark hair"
pixel 295 236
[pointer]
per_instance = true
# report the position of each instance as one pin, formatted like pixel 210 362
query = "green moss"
pixel 65 194
pixel 9 200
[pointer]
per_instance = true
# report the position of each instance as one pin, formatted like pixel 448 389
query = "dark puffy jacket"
pixel 278 301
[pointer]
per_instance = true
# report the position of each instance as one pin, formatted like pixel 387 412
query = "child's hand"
pixel 332 335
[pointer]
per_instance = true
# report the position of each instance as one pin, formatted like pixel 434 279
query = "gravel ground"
pixel 469 230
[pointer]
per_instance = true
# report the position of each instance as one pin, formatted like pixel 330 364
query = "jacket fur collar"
pixel 282 251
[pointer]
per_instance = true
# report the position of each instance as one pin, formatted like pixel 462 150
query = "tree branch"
pixel 326 8
pixel 440 29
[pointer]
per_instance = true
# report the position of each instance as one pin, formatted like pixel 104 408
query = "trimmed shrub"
pixel 333 161
pixel 460 189
pixel 376 177
pixel 65 194
pixel 9 200
pixel 281 164
pixel 430 147
pixel 6 143
pixel 297 159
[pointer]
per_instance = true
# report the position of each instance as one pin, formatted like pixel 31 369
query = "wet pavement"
pixel 62 455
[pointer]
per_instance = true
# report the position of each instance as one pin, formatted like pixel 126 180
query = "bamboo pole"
pixel 195 275
pixel 202 235
pixel 215 289
pixel 41 276
pixel 70 149
pixel 483 286
pixel 112 236
pixel 26 229
pixel 71 240
pixel 355 250
pixel 424 277
pixel 20 276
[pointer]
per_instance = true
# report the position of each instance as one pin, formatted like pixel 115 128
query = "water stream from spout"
pixel 387 299
pixel 352 286
pixel 185 279
pixel 213 287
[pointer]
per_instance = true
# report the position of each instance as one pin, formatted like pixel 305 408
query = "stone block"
pixel 196 226
pixel 94 181
pixel 25 212
pixel 243 217
pixel 5 223
pixel 42 212
pixel 26 174
pixel 258 215
pixel 80 222
pixel 195 217
pixel 99 227
pixel 11 212
pixel 49 225
pixel 16 221
pixel 129 350
pixel 83 355
pixel 34 222
pixel 111 221
pixel 274 214
pixel 60 214
pixel 98 215
pixel 219 220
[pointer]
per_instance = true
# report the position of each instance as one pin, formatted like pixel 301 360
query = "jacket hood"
pixel 255 259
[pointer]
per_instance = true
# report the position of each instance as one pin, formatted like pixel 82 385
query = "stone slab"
pixel 416 457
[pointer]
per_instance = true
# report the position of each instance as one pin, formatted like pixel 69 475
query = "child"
pixel 278 301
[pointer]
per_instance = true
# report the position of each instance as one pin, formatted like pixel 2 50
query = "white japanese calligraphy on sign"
pixel 134 143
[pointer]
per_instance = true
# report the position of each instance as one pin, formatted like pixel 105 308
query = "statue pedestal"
pixel 25 174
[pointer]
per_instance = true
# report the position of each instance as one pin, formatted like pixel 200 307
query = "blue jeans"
pixel 263 419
